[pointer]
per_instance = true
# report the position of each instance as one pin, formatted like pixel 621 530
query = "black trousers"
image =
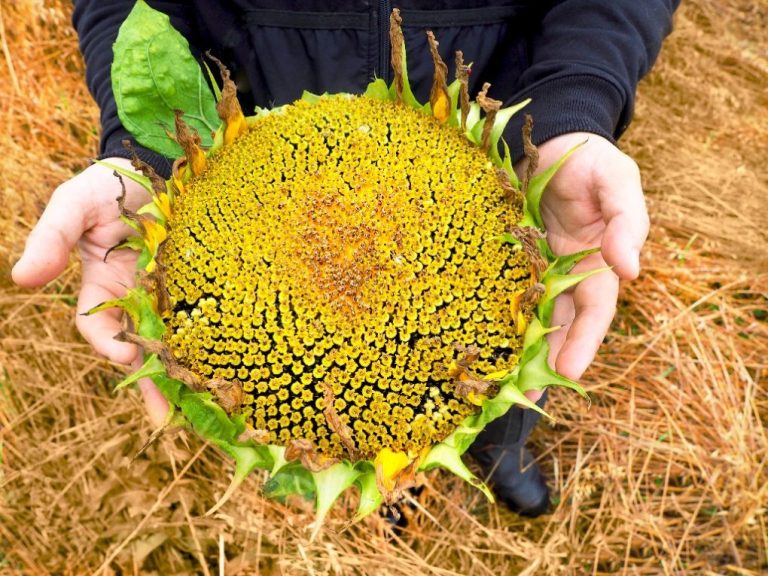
pixel 511 430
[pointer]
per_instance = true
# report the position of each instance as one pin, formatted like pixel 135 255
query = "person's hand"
pixel 595 200
pixel 84 212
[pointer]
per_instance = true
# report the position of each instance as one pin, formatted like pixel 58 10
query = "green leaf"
pixel 511 393
pixel 292 479
pixel 535 333
pixel 152 366
pixel 503 117
pixel 378 89
pixel 370 497
pixel 145 257
pixel 152 209
pixel 454 92
pixel 564 264
pixel 493 408
pixel 556 284
pixel 247 459
pixel 311 97
pixel 539 182
pixel 153 74
pixel 169 387
pixel 508 238
pixel 506 163
pixel 475 133
pixel 142 181
pixel 535 373
pixel 278 458
pixel 208 419
pixel 473 120
pixel 130 243
pixel 445 456
pixel 329 484
pixel 140 307
pixel 212 79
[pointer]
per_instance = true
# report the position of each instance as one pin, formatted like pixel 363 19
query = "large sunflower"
pixel 344 290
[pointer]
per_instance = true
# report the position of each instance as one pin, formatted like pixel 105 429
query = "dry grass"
pixel 664 474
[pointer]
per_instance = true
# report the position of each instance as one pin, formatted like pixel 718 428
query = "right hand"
pixel 84 212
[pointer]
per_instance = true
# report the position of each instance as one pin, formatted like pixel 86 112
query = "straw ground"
pixel 665 473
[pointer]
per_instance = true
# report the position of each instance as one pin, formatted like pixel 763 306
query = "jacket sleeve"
pixel 97 24
pixel 586 59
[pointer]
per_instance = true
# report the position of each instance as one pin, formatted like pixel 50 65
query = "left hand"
pixel 595 199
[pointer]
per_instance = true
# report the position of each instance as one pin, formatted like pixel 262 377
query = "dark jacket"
pixel 579 60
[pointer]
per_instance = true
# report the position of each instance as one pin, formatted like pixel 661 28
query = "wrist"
pixel 565 105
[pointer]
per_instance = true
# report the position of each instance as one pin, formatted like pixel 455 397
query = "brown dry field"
pixel 665 473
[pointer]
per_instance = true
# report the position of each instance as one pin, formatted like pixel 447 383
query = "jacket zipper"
pixel 384 10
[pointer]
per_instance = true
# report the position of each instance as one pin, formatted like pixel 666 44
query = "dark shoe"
pixel 515 478
pixel 397 514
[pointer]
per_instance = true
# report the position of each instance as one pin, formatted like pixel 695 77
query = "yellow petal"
pixel 476 399
pixel 441 106
pixel 154 234
pixel 515 303
pixel 178 173
pixel 522 323
pixel 389 464
pixel 163 203
pixel 198 161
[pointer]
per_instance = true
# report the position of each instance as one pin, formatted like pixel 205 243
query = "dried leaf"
pixel 228 107
pixel 490 107
pixel 530 151
pixel 335 423
pixel 158 183
pixel 396 42
pixel 304 451
pixel 529 237
pixel 462 75
pixel 439 98
pixel 468 384
pixel 255 435
pixel 174 369
pixel 228 393
pixel 189 140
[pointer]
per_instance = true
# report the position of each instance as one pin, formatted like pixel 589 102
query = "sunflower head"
pixel 344 290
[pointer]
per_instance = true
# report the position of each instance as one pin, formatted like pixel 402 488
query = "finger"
pixel 154 401
pixel 533 396
pixel 626 217
pixel 104 281
pixel 561 316
pixel 99 329
pixel 622 241
pixel 54 236
pixel 594 302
